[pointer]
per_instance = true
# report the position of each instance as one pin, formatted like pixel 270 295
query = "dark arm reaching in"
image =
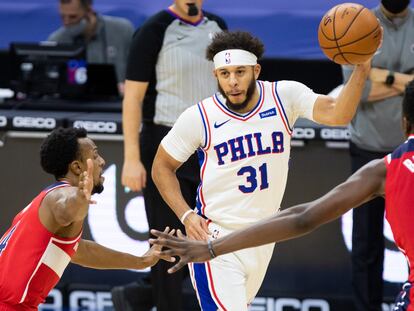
pixel 364 185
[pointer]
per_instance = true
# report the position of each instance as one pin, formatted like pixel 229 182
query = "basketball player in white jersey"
pixel 242 135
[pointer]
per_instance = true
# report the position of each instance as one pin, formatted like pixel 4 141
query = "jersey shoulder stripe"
pixel 281 109
pixel 56 185
pixel 408 146
pixel 206 124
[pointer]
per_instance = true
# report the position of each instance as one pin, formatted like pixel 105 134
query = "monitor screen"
pixel 48 69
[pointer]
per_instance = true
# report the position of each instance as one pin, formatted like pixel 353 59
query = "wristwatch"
pixel 389 80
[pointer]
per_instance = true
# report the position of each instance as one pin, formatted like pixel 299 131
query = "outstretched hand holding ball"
pixel 349 34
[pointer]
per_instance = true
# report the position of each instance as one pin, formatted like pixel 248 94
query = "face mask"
pixel 77 29
pixel 192 9
pixel 395 6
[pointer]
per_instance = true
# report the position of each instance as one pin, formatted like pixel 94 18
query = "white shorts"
pixel 230 282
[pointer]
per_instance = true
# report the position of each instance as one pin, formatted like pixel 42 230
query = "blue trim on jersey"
pixel 251 111
pixel 6 238
pixel 408 146
pixel 56 184
pixel 205 127
pixel 281 105
pixel 206 300
pixel 198 202
pixel 201 159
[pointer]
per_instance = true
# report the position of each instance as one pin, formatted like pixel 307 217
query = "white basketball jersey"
pixel 244 162
pixel 244 158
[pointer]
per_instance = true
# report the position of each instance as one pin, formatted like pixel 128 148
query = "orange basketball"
pixel 349 34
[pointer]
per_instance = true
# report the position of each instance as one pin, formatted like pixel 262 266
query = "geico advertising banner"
pixel 310 273
pixel 91 300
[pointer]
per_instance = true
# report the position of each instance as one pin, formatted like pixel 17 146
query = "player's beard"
pixel 98 188
pixel 192 9
pixel 249 94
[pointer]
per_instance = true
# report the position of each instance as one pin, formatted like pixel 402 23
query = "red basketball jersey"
pixel 399 193
pixel 32 259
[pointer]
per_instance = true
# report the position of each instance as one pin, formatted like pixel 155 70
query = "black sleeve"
pixel 222 24
pixel 145 46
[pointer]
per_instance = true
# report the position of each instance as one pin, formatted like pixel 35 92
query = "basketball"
pixel 349 34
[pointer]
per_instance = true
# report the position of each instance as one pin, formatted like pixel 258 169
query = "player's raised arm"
pixel 70 204
pixel 340 111
pixel 362 186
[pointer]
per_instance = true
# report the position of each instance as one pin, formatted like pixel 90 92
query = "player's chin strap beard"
pixel 240 106
pixel 97 188
pixel 192 9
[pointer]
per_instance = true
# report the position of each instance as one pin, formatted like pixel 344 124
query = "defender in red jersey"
pixel 392 177
pixel 46 235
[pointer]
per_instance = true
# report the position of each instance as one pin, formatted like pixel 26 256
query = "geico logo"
pixel 388 306
pixel 303 133
pixel 33 122
pixel 97 126
pixel 3 121
pixel 54 301
pixel 281 304
pixel 88 300
pixel 336 134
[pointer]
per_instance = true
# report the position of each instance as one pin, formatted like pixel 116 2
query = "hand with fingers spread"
pixel 196 227
pixel 187 249
pixel 86 182
pixel 155 252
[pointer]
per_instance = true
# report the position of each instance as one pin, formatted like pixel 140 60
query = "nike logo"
pixel 180 38
pixel 217 125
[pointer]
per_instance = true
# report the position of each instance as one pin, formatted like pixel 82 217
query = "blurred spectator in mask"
pixel 107 38
pixel 375 131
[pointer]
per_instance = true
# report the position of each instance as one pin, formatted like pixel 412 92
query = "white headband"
pixel 234 58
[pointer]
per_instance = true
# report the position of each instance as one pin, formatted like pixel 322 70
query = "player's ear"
pixel 215 72
pixel 257 68
pixel 76 167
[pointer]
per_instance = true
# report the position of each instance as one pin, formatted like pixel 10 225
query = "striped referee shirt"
pixel 169 53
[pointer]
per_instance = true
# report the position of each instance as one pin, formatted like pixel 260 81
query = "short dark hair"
pixel 84 3
pixel 235 40
pixel 59 149
pixel 408 103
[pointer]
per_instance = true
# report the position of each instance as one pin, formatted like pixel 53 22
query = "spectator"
pixel 107 38
pixel 376 131
pixel 167 72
